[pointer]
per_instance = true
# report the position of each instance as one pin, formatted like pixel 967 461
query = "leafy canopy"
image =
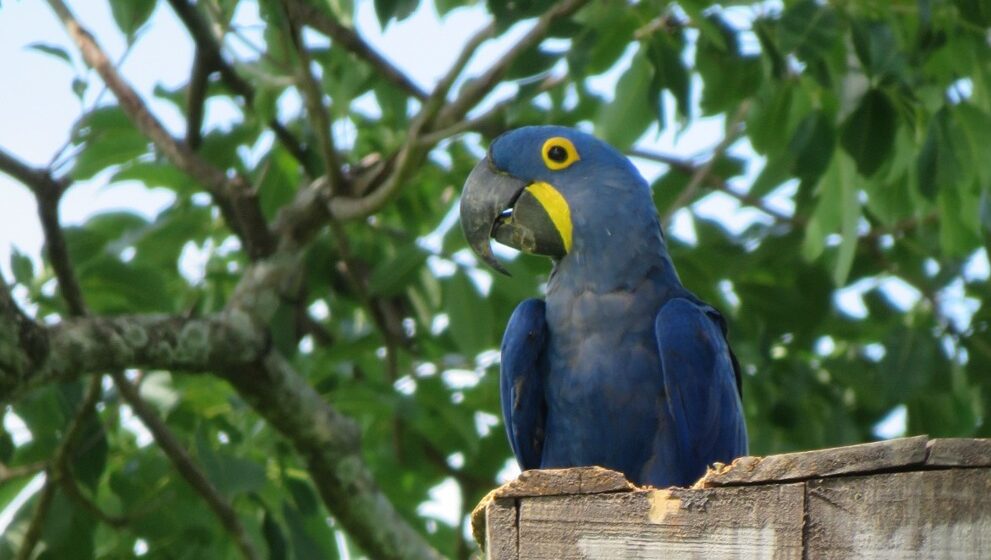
pixel 855 156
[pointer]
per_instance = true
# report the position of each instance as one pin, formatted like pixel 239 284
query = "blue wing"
pixel 701 382
pixel 522 382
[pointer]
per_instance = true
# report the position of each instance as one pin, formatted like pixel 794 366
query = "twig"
pixel 10 473
pixel 316 109
pixel 62 452
pixel 435 102
pixel 484 121
pixel 208 46
pixel 236 199
pixel 195 99
pixel 183 463
pixel 481 86
pixel 718 183
pixel 733 132
pixel 301 11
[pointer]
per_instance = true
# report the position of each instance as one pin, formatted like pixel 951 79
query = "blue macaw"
pixel 620 366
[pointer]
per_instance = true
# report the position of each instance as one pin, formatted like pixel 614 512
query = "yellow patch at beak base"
pixel 556 207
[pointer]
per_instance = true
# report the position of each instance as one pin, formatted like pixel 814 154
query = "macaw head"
pixel 553 191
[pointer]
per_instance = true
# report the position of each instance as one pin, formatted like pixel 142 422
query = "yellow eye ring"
pixel 559 153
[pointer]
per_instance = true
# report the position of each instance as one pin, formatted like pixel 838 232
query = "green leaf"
pixel 878 49
pixel 812 146
pixel 398 9
pixel 623 121
pixel 470 316
pixel 108 138
pixel 944 159
pixel 664 54
pixel 770 119
pixel 868 134
pixel 959 219
pixel 275 538
pixel 809 29
pixel 729 75
pixel 231 475
pixel 130 15
pixel 21 266
pixel 977 12
pixel 310 537
pixel 838 208
pixel 976 127
pixel 392 276
pixel 51 50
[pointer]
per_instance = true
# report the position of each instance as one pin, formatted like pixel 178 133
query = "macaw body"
pixel 620 366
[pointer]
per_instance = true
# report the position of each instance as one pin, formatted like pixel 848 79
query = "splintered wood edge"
pixel 549 482
pixel 789 467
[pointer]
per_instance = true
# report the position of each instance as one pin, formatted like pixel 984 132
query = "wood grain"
pixel 717 524
pixel 910 515
pixel 959 452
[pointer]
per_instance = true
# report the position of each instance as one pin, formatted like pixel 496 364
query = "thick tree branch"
pixel 236 198
pixel 329 442
pixel 78 346
pixel 183 463
pixel 36 179
pixel 302 11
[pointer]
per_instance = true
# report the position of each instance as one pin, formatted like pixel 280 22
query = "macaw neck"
pixel 610 255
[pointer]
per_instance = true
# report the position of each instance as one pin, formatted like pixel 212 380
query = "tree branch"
pixel 55 470
pixel 36 179
pixel 481 86
pixel 329 443
pixel 183 463
pixel 316 109
pixel 733 132
pixel 718 183
pixel 208 47
pixel 301 11
pixel 78 346
pixel 195 99
pixel 236 198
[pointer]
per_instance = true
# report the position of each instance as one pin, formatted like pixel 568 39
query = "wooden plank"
pixel 862 458
pixel 909 515
pixel 501 535
pixel 959 452
pixel 555 482
pixel 549 482
pixel 714 524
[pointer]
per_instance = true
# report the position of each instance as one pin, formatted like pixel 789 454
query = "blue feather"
pixel 521 382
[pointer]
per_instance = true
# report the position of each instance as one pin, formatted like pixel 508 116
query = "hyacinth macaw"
pixel 620 366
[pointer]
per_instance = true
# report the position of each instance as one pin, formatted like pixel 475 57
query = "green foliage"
pixel 871 125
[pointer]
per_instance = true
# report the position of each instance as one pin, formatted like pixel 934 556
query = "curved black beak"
pixel 497 205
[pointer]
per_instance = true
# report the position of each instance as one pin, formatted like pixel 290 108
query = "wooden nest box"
pixel 899 499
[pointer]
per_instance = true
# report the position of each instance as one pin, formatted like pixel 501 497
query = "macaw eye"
pixel 559 153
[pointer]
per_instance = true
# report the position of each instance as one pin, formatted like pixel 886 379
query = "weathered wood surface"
pixel 922 514
pixel 863 458
pixel 717 524
pixel 907 498
pixel 548 482
pixel 501 534
pixel 959 452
